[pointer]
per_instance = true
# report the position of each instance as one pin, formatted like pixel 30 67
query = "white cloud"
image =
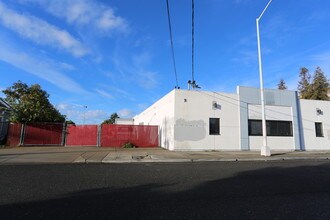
pixel 80 115
pixel 95 115
pixel 109 21
pixel 40 32
pixel 125 113
pixel 84 12
pixel 104 93
pixel 45 69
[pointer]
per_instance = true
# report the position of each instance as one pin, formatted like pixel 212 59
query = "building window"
pixel 214 126
pixel 279 128
pixel 274 128
pixel 255 128
pixel 318 129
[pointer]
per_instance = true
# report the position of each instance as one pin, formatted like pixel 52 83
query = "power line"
pixel 171 39
pixel 192 82
pixel 192 39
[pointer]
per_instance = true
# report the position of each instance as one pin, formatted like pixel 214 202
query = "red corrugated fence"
pixel 14 134
pixel 140 135
pixel 43 134
pixel 109 135
pixel 81 135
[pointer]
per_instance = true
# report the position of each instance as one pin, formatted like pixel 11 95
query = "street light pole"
pixel 265 150
pixel 85 107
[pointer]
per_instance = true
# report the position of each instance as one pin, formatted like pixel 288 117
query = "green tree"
pixel 112 119
pixel 304 87
pixel 281 85
pixel 31 104
pixel 70 122
pixel 319 86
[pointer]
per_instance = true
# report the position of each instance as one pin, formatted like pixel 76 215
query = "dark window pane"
pixel 318 129
pixel 255 127
pixel 279 128
pixel 214 125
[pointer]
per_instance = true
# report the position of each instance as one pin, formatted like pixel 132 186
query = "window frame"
pixel 270 130
pixel 214 130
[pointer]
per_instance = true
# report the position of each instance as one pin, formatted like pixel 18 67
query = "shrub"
pixel 129 145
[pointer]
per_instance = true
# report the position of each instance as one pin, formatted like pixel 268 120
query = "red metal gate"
pixel 81 135
pixel 140 135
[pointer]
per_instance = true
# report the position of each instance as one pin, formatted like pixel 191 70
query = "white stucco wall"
pixel 161 113
pixel 192 112
pixel 309 116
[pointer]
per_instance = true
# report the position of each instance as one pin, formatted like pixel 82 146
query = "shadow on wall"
pixel 270 193
pixel 166 133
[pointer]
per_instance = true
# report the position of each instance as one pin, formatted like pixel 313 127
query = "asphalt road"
pixel 216 190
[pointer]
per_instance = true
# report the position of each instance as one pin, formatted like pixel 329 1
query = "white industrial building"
pixel 200 120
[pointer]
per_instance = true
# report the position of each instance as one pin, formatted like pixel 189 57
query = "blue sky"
pixel 114 56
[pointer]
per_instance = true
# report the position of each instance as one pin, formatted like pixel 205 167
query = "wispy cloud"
pixel 147 80
pixel 85 13
pixel 104 93
pixel 318 16
pixel 43 68
pixel 322 60
pixel 40 32
pixel 246 57
pixel 114 92
pixel 136 70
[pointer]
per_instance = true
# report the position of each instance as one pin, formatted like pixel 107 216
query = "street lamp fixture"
pixel 265 150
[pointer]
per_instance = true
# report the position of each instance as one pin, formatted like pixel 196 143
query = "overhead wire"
pixel 172 46
pixel 192 40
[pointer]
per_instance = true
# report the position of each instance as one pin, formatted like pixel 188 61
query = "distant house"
pixel 4 111
pixel 4 118
pixel 124 121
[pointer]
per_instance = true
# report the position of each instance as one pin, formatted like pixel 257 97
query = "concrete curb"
pixel 213 160
pixel 79 159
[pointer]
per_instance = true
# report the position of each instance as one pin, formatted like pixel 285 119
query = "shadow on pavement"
pixel 297 192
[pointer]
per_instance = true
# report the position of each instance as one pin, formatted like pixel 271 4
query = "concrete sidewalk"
pixel 42 155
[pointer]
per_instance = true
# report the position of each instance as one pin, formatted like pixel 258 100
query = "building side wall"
pixel 124 121
pixel 193 109
pixel 309 116
pixel 279 105
pixel 161 113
